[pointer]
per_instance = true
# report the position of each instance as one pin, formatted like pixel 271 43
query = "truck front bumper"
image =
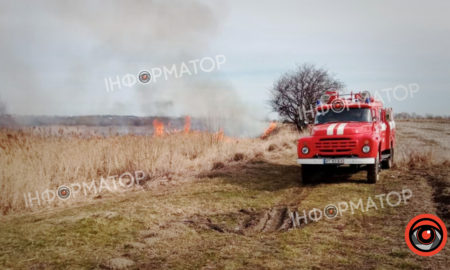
pixel 335 161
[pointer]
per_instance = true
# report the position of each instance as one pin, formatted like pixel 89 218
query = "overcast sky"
pixel 55 55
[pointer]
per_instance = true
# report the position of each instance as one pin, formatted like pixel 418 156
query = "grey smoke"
pixel 2 108
pixel 56 54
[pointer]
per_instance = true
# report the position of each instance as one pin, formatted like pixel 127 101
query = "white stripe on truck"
pixel 330 129
pixel 340 129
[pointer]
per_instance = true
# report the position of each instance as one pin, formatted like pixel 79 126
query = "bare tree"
pixel 295 94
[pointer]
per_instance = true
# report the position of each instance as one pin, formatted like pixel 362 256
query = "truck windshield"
pixel 347 115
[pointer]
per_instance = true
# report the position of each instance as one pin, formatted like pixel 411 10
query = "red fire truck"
pixel 354 130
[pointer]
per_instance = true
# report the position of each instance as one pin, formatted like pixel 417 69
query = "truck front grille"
pixel 335 146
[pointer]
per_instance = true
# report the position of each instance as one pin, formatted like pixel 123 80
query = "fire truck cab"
pixel 353 130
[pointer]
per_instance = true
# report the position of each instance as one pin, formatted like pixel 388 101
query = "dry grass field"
pixel 210 202
pixel 35 161
pixel 421 136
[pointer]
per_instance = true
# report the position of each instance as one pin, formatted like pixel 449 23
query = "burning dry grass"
pixel 31 162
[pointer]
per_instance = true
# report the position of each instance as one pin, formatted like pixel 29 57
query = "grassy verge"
pixel 170 228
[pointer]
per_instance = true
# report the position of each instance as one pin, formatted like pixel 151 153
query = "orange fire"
pixel 269 130
pixel 158 128
pixel 219 134
pixel 187 124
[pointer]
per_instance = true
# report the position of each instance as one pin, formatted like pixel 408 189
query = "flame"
pixel 158 128
pixel 269 130
pixel 219 134
pixel 187 124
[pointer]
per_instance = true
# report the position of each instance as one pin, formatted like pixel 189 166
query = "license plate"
pixel 334 161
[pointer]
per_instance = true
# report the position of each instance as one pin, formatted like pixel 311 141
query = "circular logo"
pixel 63 192
pixel 331 211
pixel 144 76
pixel 337 105
pixel 426 235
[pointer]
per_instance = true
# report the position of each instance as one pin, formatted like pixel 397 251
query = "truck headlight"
pixel 305 150
pixel 366 149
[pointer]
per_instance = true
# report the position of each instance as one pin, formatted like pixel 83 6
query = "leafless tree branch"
pixel 299 90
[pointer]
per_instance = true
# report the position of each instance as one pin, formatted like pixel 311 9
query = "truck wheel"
pixel 307 174
pixel 372 171
pixel 388 163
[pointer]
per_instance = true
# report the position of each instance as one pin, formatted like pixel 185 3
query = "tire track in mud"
pixel 277 217
pixel 268 220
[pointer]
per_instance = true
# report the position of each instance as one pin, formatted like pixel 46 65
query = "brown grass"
pixel 33 161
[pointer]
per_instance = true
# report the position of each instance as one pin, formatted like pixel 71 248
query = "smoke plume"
pixel 56 56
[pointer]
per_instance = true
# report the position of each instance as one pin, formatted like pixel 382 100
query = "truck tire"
pixel 373 170
pixel 389 162
pixel 307 174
